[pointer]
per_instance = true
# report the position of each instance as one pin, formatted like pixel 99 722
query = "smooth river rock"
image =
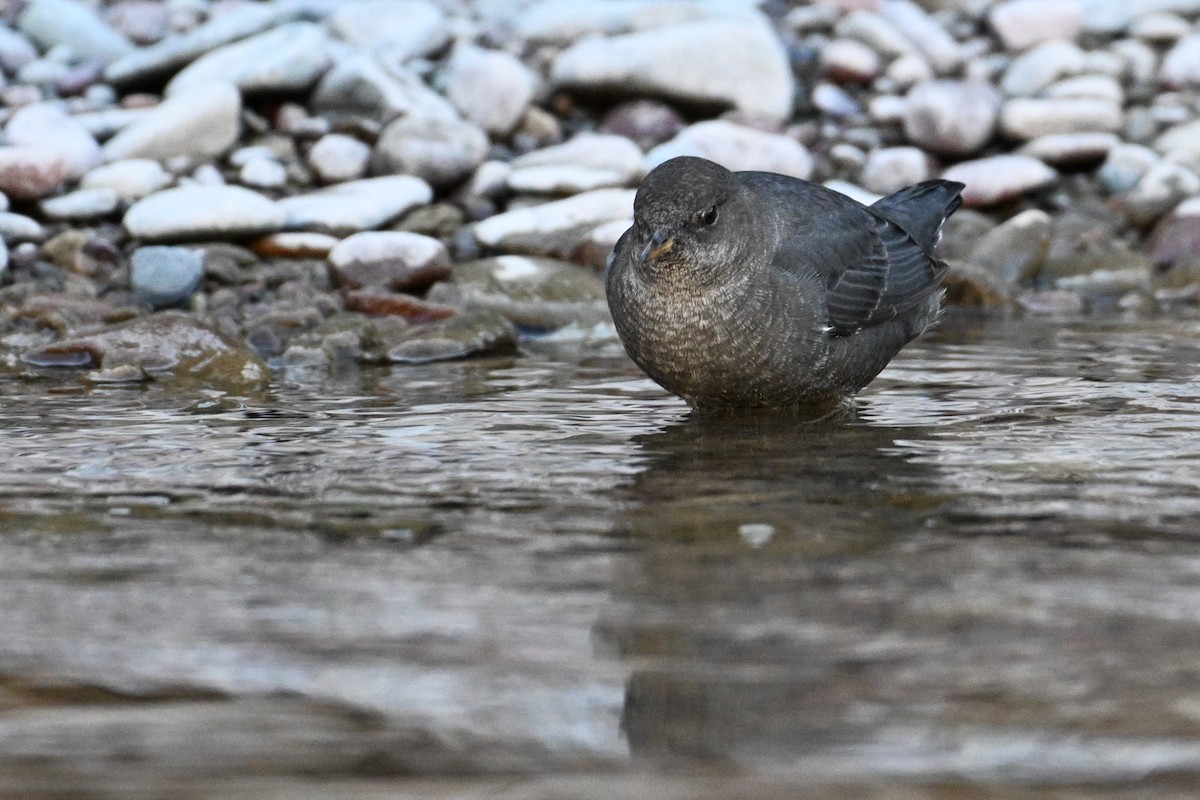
pixel 202 122
pixel 998 179
pixel 290 58
pixel 163 277
pixel 585 162
pixel 736 147
pixel 554 228
pixel 203 212
pixel 355 206
pixel 396 260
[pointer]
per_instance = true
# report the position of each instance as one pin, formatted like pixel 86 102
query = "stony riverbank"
pixel 389 181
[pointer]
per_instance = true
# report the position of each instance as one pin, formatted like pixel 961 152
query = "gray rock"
pixel 738 62
pixel 202 122
pixel 49 128
pixel 81 204
pixel 1014 251
pixel 1162 188
pixel 1096 87
pixel 489 88
pixel 336 158
pixel 467 333
pixel 1051 303
pixel 1026 118
pixel 131 179
pixel 396 260
pixel 1125 166
pixel 15 50
pixel 1181 65
pixel 404 28
pixel 20 228
pixel 645 122
pixel 588 161
pixel 438 150
pixel 1020 24
pixel 168 56
pixel 163 277
pixel 890 169
pixel 1041 66
pixel 736 147
pixel 203 212
pixel 50 23
pixel 263 173
pixel 290 58
pixel 1071 150
pixel 363 89
pixel 3 258
pixel 953 118
pixel 1176 239
pixel 1160 28
pixel 355 206
pixel 1138 62
pixel 850 61
pixel 999 179
pixel 877 33
pixel 555 228
pixel 929 37
pixel 540 294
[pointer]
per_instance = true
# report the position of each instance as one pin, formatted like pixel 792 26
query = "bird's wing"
pixel 871 268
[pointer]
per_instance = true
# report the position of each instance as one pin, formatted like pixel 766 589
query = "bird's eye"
pixel 708 216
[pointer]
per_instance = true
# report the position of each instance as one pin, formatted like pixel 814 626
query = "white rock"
pixel 1099 87
pixel 999 179
pixel 565 21
pixel 50 23
pixel 1041 66
pixel 202 122
pixel 1026 118
pixel 81 204
pixel 1020 24
pixel 489 88
pixel 736 147
pixel 47 127
pixel 360 87
pixel 890 169
pixel 557 227
pixel 355 206
pixel 439 150
pixel 1160 28
pixel 131 179
pixel 1125 166
pixel 289 58
pixel 1071 149
pixel 1181 65
pixel 263 173
pixel 336 158
pixel 737 62
pixel 908 71
pixel 201 212
pixel 954 118
pixel 851 61
pixel 929 37
pixel 1162 188
pixel 588 161
pixel 877 33
pixel 20 228
pixel 403 28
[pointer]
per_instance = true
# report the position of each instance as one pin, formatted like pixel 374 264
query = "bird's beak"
pixel 659 244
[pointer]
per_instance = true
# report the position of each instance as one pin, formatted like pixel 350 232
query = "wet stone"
pixel 468 333
pixel 397 260
pixel 378 303
pixel 163 277
pixel 1051 302
pixel 167 343
pixel 537 294
pixel 1176 239
pixel 81 252
pixel 1013 252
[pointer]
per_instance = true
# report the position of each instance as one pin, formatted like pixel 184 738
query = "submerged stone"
pixel 474 332
pixel 167 343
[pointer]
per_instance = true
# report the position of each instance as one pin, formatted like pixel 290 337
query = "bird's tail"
pixel 921 209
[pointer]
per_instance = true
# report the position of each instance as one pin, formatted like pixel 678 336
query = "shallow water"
pixel 539 577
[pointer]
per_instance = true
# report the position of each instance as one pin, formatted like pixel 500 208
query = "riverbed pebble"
pixel 165 276
pixel 400 165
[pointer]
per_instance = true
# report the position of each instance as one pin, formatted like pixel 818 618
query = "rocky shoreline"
pixel 218 188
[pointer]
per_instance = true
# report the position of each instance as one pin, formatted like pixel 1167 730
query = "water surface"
pixel 539 577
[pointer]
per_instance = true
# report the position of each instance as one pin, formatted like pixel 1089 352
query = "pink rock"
pixel 31 173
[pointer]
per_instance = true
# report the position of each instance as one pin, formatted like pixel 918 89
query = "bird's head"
pixel 690 222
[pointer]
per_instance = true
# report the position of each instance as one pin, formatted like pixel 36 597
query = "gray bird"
pixel 751 289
